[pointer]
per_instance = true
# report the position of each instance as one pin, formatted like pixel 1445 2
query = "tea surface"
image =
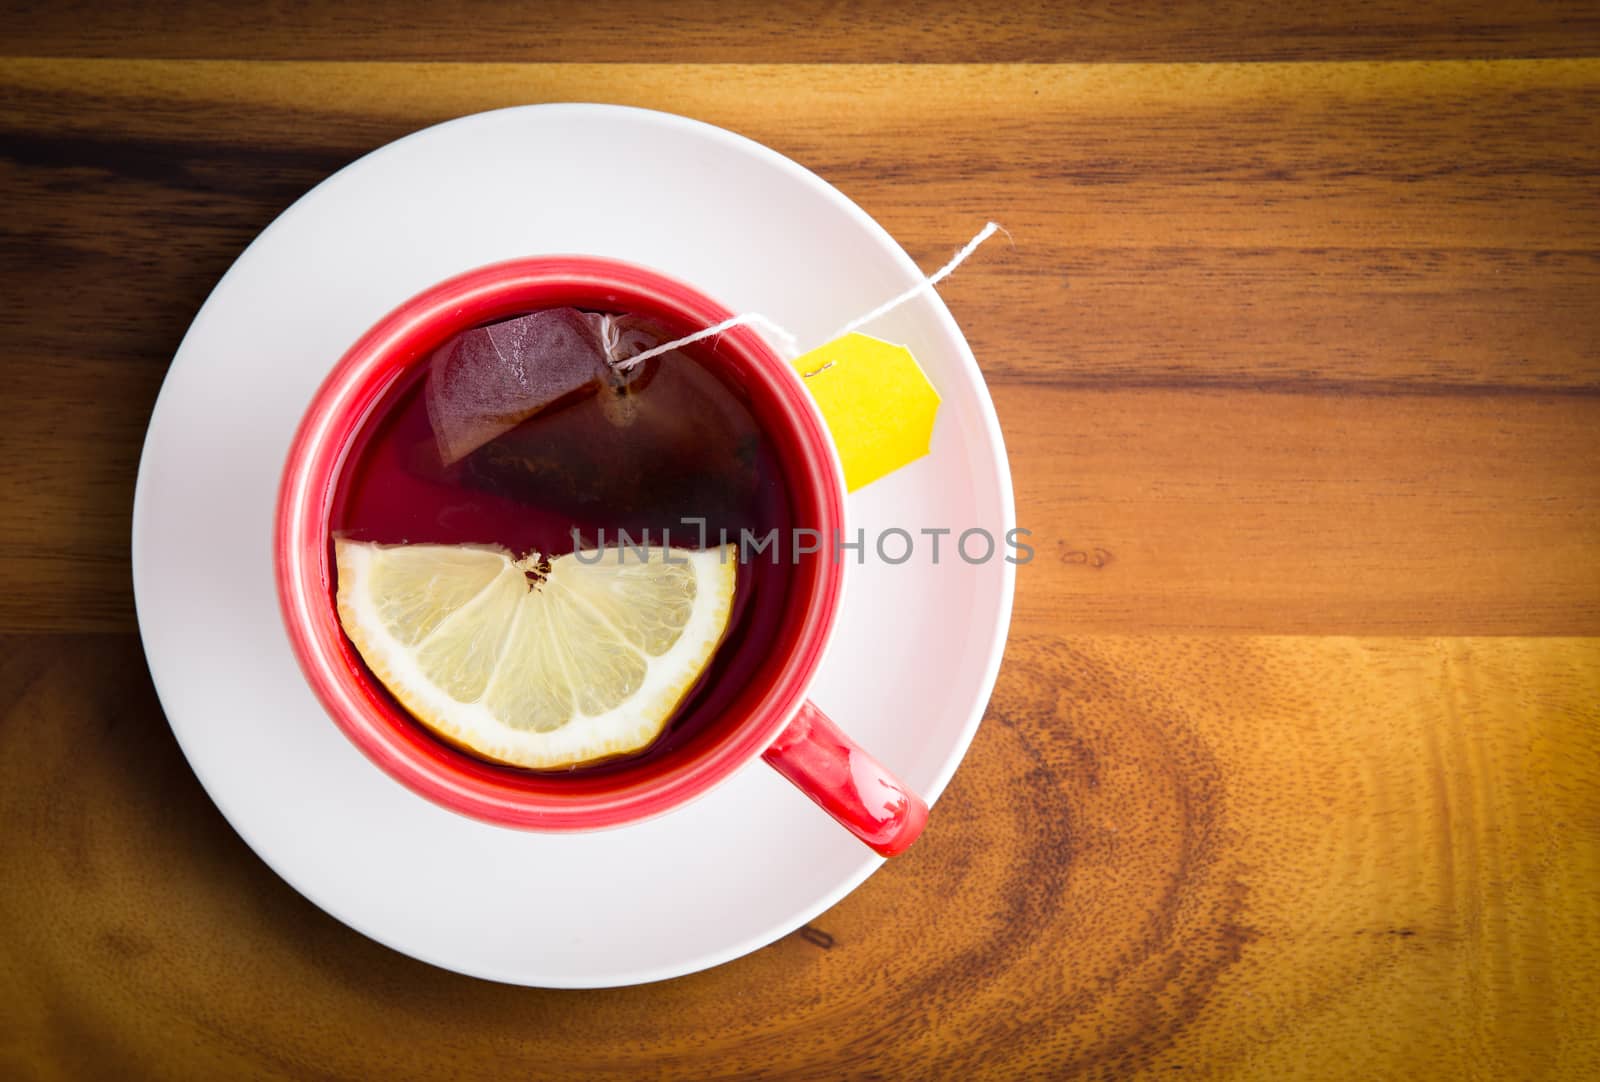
pixel 647 453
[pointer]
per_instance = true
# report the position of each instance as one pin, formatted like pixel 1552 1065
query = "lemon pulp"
pixel 539 663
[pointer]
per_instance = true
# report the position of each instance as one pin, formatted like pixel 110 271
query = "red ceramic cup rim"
pixel 302 558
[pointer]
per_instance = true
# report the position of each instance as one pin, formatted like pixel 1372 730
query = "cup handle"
pixel 847 783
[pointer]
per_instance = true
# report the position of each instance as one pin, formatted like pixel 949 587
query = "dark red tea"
pixel 650 451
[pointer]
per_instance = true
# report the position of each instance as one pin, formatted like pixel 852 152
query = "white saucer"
pixel 911 666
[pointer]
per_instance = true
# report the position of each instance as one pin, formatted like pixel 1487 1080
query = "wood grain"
pixel 1301 347
pixel 1228 857
pixel 872 31
pixel 1396 224
pixel 1270 280
pixel 1317 513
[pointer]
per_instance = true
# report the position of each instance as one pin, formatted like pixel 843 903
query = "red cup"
pixel 769 717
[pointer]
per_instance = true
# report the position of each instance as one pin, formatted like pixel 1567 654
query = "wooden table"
pixel 1292 767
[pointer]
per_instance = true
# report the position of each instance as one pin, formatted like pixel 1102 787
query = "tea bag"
pixel 539 411
pixel 672 442
pixel 488 380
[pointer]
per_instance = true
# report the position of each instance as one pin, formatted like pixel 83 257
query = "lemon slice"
pixel 536 663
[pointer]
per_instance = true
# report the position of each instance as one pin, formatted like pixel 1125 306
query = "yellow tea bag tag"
pixel 877 401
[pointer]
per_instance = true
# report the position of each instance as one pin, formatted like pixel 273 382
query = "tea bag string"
pixel 927 285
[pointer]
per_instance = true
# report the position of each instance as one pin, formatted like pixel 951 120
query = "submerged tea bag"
pixel 538 408
pixel 671 442
pixel 488 380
